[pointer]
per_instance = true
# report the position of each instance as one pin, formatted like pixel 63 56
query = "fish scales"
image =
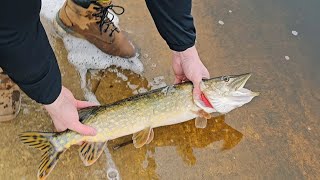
pixel 156 108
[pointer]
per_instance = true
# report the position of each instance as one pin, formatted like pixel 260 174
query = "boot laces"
pixel 102 14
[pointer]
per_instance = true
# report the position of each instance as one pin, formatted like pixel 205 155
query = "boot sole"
pixel 9 117
pixel 16 102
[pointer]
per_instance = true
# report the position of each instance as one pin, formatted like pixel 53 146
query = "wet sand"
pixel 273 137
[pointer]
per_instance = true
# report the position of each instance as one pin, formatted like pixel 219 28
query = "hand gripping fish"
pixel 138 115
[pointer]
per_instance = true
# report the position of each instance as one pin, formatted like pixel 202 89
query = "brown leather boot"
pixel 10 98
pixel 92 23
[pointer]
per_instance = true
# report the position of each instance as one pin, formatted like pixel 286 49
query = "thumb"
pixel 196 91
pixel 83 129
pixel 84 104
pixel 177 80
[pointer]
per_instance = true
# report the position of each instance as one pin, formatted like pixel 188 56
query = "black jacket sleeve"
pixel 25 53
pixel 174 22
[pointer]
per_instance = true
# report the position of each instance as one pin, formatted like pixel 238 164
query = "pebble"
pixel 145 163
pixel 309 128
pixel 145 56
pixel 26 111
pixel 230 11
pixel 221 22
pixel 295 33
pixel 287 58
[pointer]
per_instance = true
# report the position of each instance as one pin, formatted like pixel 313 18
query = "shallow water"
pixel 273 137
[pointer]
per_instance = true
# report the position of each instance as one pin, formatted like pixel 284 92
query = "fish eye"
pixel 225 78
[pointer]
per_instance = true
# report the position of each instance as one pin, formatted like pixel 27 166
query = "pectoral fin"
pixel 151 136
pixel 142 137
pixel 90 151
pixel 203 116
pixel 201 122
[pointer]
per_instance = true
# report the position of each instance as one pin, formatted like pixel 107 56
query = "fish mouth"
pixel 255 93
pixel 240 81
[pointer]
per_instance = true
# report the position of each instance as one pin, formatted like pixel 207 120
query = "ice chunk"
pixel 142 90
pixel 287 57
pixel 119 74
pixel 132 86
pixel 295 33
pixel 157 82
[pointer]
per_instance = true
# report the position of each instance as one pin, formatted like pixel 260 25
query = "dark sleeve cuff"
pixel 180 48
pixel 174 22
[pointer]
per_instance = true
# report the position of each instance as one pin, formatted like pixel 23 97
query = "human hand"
pixel 64 114
pixel 188 66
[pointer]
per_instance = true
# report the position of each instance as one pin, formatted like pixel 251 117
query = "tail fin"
pixel 42 141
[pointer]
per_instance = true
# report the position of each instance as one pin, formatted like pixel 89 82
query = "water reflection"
pixel 115 84
pixel 186 136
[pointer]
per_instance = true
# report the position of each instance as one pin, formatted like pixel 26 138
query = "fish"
pixel 139 115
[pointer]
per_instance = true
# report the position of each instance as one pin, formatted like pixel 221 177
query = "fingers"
pixel 59 129
pixel 83 129
pixel 65 116
pixel 180 78
pixel 84 104
pixel 74 125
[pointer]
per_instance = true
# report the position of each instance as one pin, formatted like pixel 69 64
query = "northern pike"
pixel 138 115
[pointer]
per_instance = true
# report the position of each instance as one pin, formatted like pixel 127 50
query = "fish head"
pixel 226 93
